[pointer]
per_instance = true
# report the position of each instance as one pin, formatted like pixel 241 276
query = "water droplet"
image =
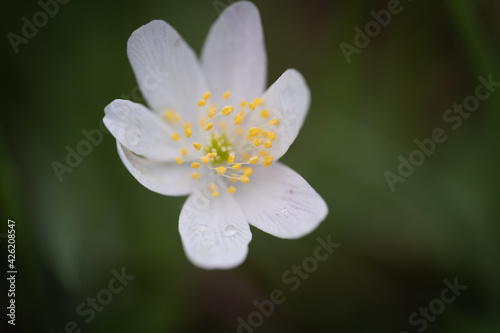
pixel 202 228
pixel 230 231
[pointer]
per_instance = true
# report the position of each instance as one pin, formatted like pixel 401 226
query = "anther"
pixel 184 151
pixel 175 136
pixel 195 175
pixel 268 160
pixel 221 170
pixel 264 114
pixel 211 112
pixel 188 132
pixel 253 131
pixel 231 189
pixel 268 144
pixel 196 146
pixel 254 159
pixel 230 159
pixel 247 171
pixel 238 119
pixel 257 142
pixel 227 110
pixel 271 136
pixel 236 166
pixel 172 116
pixel 244 179
pixel 209 126
pixel 202 102
pixel 207 95
pixel 226 95
pixel 195 165
pixel 274 122
pixel 258 101
pixel 178 160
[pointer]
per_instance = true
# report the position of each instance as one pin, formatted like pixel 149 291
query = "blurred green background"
pixel 396 249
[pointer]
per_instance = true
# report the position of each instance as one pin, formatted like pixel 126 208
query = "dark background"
pixel 396 249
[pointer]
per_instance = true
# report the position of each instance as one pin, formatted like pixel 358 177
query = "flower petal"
pixel 234 55
pixel 141 131
pixel 166 69
pixel 214 231
pixel 163 178
pixel 280 202
pixel 288 99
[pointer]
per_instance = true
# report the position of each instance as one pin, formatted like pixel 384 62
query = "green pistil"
pixel 219 144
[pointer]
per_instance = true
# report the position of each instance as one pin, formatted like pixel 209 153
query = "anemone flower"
pixel 214 133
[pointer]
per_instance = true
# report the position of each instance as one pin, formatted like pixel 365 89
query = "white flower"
pixel 215 134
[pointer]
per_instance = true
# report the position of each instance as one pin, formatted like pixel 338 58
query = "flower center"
pixel 233 141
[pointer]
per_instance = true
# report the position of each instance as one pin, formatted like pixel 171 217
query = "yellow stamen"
pixel 178 160
pixel 226 95
pixel 251 106
pixel 254 159
pixel 207 95
pixel 227 110
pixel 271 136
pixel 195 175
pixel 209 126
pixel 274 122
pixel 215 194
pixel 211 155
pixel 230 159
pixel 244 179
pixel 236 166
pixel 264 113
pixel 246 156
pixel 243 103
pixel 268 144
pixel 221 170
pixel 197 145
pixel 212 112
pixel 175 136
pixel 253 131
pixel 267 161
pixel 205 159
pixel 187 124
pixel 172 116
pixel 263 153
pixel 231 189
pixel 195 165
pixel 202 102
pixel 212 187
pixel 184 151
pixel 238 119
pixel 188 132
pixel 247 171
pixel 257 142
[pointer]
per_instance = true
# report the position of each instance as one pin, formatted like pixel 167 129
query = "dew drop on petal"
pixel 230 231
pixel 202 228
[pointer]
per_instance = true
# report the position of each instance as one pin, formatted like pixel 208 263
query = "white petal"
pixel 166 69
pixel 214 231
pixel 288 100
pixel 163 178
pixel 234 55
pixel 141 131
pixel 280 202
